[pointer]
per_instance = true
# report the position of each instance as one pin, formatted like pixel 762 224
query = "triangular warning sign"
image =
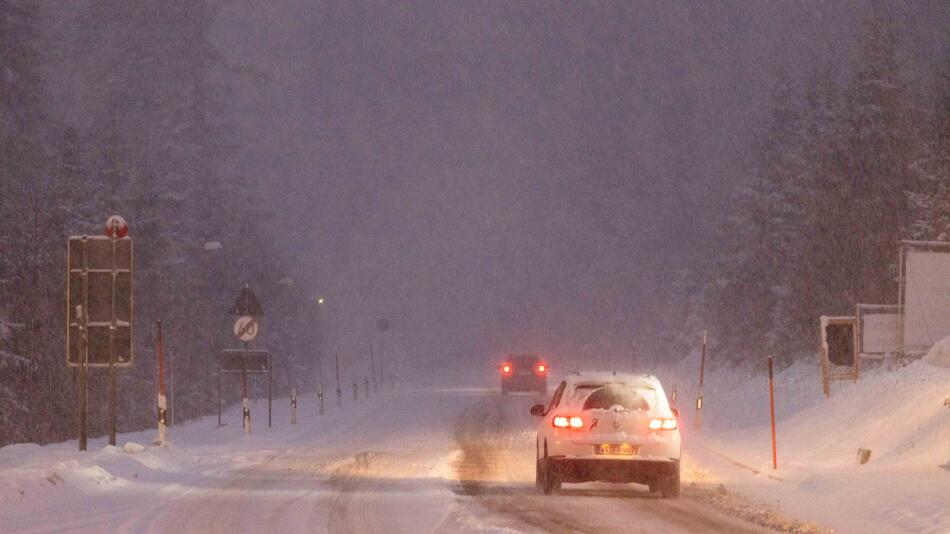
pixel 247 303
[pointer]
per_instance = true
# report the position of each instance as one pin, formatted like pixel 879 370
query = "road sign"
pixel 99 283
pixel 247 303
pixel 117 225
pixel 233 361
pixel 246 328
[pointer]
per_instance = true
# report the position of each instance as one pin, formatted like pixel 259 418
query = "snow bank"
pixel 939 354
pixel 900 416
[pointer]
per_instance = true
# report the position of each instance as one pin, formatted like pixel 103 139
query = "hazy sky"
pixel 497 176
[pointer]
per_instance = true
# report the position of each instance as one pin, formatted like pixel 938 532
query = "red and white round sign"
pixel 116 224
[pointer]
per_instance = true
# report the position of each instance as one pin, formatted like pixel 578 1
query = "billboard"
pixel 877 330
pixel 98 290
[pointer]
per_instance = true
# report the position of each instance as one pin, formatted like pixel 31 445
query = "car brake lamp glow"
pixel 563 421
pixel 663 424
pixel 506 369
pixel 541 368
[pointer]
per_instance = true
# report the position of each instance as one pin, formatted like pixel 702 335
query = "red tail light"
pixel 506 369
pixel 542 368
pixel 563 421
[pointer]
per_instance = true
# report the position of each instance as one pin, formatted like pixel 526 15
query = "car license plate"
pixel 622 449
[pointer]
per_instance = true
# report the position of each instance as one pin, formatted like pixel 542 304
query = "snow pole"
pixel 366 387
pixel 162 402
pixel 293 406
pixel 320 399
pixel 246 415
pixel 339 390
pixel 772 415
pixel 702 376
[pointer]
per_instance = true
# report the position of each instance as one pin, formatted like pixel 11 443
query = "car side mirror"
pixel 537 410
pixel 676 413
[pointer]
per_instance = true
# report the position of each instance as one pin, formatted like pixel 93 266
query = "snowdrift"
pixel 902 416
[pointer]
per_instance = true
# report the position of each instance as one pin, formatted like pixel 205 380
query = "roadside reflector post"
pixel 772 415
pixel 320 399
pixel 246 417
pixel 339 391
pixel 702 376
pixel 293 406
pixel 355 392
pixel 270 391
pixel 162 403
pixel 366 387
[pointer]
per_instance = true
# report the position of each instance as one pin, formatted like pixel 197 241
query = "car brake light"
pixel 541 368
pixel 506 369
pixel 663 424
pixel 564 421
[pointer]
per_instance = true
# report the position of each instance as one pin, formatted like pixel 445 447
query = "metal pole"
pixel 246 406
pixel 382 374
pixel 270 391
pixel 219 390
pixel 772 415
pixel 112 329
pixel 372 366
pixel 339 391
pixel 293 406
pixel 162 403
pixel 320 399
pixel 171 385
pixel 81 311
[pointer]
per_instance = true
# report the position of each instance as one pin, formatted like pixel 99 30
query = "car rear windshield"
pixel 628 397
pixel 524 360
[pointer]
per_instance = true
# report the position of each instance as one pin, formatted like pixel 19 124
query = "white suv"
pixel 609 427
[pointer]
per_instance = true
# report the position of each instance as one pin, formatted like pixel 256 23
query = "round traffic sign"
pixel 116 224
pixel 246 328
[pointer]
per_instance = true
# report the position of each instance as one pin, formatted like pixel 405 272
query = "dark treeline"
pixel 116 107
pixel 488 176
pixel 844 166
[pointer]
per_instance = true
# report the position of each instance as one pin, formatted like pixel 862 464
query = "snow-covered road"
pixel 412 461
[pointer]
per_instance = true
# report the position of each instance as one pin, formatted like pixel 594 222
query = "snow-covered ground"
pixel 460 460
pixel 902 416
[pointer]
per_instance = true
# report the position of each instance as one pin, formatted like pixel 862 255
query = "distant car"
pixel 609 427
pixel 524 372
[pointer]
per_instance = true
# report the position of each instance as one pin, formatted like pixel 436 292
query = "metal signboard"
pixel 238 360
pixel 877 330
pixel 99 297
pixel 247 303
pixel 839 358
pixel 924 295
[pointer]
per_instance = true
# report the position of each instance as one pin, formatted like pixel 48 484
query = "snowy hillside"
pixel 902 416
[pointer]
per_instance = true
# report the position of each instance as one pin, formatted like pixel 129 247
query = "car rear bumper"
pixel 612 470
pixel 530 382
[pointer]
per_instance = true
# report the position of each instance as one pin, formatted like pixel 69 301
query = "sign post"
pixel 382 325
pixel 293 406
pixel 99 312
pixel 246 328
pixel 339 391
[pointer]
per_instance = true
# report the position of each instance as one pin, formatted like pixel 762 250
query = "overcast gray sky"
pixel 497 176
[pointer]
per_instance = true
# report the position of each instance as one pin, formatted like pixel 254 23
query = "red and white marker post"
pixel 162 403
